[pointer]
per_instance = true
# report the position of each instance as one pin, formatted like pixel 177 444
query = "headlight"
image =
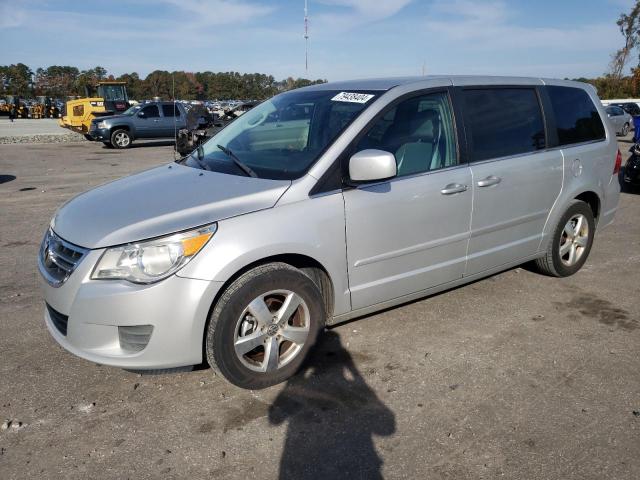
pixel 152 260
pixel 102 125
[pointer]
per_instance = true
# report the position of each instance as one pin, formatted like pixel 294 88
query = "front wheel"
pixel 264 325
pixel 571 242
pixel 120 139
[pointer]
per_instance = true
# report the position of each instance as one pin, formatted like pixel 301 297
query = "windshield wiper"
pixel 198 158
pixel 243 166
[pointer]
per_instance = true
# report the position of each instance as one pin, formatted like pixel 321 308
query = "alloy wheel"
pixel 122 139
pixel 271 330
pixel 574 240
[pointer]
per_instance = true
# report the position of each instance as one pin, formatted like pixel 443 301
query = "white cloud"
pixel 11 15
pixel 219 12
pixel 492 26
pixel 351 13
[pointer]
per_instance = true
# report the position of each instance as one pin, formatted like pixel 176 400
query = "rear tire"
pixel 255 308
pixel 88 137
pixel 120 139
pixel 571 242
pixel 625 129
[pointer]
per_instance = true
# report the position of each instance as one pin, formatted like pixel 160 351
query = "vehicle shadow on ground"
pixel 332 416
pixel 7 178
pixel 147 143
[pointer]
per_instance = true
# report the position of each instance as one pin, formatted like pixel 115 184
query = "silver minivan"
pixel 323 204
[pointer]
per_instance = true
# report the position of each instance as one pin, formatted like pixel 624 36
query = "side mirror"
pixel 141 114
pixel 371 165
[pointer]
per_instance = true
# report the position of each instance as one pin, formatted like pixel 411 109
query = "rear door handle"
pixel 490 180
pixel 453 188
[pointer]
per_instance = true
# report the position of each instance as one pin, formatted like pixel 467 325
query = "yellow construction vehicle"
pixel 107 98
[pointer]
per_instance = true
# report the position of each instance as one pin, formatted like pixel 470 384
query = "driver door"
pixel 409 233
pixel 148 124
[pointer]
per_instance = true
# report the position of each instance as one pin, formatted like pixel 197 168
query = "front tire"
pixel 120 139
pixel 264 325
pixel 571 242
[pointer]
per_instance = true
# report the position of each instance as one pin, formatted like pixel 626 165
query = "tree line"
pixel 61 81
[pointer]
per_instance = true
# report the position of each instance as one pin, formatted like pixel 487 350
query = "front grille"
pixel 58 319
pixel 58 259
pixel 135 338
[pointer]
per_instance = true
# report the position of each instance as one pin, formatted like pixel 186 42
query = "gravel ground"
pixel 57 138
pixel 515 376
pixel 43 130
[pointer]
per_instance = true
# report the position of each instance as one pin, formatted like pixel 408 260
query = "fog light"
pixel 135 338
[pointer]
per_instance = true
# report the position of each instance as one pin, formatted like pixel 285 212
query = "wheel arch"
pixel 592 199
pixel 121 127
pixel 308 265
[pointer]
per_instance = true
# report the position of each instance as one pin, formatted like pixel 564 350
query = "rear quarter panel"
pixel 587 167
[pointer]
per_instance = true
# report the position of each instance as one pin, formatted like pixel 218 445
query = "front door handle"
pixel 490 180
pixel 453 188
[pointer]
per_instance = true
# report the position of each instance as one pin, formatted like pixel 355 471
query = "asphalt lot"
pixel 515 376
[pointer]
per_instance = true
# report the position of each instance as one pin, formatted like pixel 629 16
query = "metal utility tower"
pixel 306 38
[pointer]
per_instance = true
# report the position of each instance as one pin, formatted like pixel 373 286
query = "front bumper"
pixel 100 134
pixel 176 307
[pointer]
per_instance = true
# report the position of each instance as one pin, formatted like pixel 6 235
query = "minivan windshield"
pixel 282 137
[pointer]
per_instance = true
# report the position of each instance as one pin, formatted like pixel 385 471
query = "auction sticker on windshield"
pixel 352 97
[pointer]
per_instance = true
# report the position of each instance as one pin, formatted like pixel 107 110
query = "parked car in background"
pixel 631 174
pixel 631 108
pixel 324 204
pixel 621 121
pixel 142 121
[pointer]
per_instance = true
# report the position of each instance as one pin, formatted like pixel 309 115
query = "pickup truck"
pixel 147 120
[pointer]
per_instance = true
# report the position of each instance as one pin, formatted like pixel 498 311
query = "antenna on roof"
pixel 306 38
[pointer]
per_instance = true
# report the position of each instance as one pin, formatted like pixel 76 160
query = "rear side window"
pixel 577 118
pixel 170 111
pixel 503 121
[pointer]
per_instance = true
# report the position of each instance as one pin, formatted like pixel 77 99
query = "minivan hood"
pixel 160 201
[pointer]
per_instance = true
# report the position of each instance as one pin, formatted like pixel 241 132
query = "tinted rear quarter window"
pixel 577 119
pixel 503 122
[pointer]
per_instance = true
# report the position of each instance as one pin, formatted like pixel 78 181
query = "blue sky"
pixel 348 38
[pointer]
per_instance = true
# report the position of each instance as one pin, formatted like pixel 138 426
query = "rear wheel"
pixel 120 139
pixel 264 325
pixel 571 242
pixel 625 129
pixel 88 137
